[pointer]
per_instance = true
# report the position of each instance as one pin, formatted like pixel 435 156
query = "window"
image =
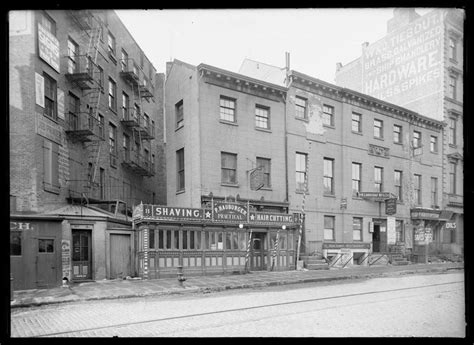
pixel 151 240
pixel 417 189
pixel 111 43
pixel 125 106
pixel 265 164
pixel 378 129
pixel 356 170
pixel 179 114
pixel 329 228
pixel 356 123
pixel 328 115
pixel 416 139
pixel 328 176
pixel 45 245
pixel 112 144
pixel 262 117
pixel 300 107
pixel 101 77
pixel 397 176
pixel 434 191
pixel 452 131
pixel 126 147
pixel 101 183
pixel 74 109
pixel 50 97
pixel 378 179
pixel 124 61
pixel 300 171
pixel 51 166
pixel 452 177
pixel 47 23
pixel 229 167
pixel 15 242
pixel 112 95
pixel 452 48
pixel 180 170
pixel 101 126
pixel 357 229
pixel 452 87
pixel 433 144
pixel 227 109
pixel 397 134
pixel 399 231
pixel 72 52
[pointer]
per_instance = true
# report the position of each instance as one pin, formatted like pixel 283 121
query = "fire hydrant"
pixel 180 275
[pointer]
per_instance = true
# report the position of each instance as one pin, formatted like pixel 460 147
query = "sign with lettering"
pixel 39 89
pixel 48 129
pixel 375 195
pixel 230 212
pixel 391 233
pixel 354 245
pixel 21 226
pixel 270 217
pixel 390 206
pixel 450 226
pixel 165 212
pixel 425 214
pixel 66 258
pixel 376 150
pixel 48 46
pixel 405 67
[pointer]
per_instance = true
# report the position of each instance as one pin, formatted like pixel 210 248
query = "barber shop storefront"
pixel 225 238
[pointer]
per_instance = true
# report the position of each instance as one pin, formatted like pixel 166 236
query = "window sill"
pixel 329 126
pixel 358 133
pixel 112 57
pixel 235 185
pixel 379 138
pixel 113 111
pixel 434 152
pixel 178 128
pixel 302 119
pixel 266 188
pixel 228 122
pixel 51 189
pixel 329 195
pixel 454 146
pixel 397 143
pixel 357 198
pixel 180 191
pixel 454 61
pixel 267 130
pixel 300 191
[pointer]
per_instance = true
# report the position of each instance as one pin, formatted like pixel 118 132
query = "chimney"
pixel 287 68
pixel 365 45
pixel 338 66
pixel 401 17
pixel 168 67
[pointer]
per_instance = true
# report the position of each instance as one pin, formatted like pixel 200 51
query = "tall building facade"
pixel 346 166
pixel 419 65
pixel 85 116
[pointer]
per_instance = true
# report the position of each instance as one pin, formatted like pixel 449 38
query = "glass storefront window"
pixel 228 240
pixel 282 240
pixel 168 239
pixel 198 240
pixel 185 240
pixel 220 241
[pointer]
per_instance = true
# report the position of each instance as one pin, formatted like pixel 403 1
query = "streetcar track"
pixel 244 308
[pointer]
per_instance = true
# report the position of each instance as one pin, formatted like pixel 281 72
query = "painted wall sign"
pixel 405 67
pixel 48 46
pixel 21 226
pixel 450 226
pixel 66 258
pixel 354 245
pixel 227 211
pixel 390 206
pixel 48 129
pixel 39 89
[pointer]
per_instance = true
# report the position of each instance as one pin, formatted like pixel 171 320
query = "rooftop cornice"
pixel 360 97
pixel 240 78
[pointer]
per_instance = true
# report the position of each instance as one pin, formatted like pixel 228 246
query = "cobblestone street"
pixel 349 309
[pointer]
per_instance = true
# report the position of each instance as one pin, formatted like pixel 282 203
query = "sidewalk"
pixel 112 289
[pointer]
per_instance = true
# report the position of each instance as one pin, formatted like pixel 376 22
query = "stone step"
pixel 317 266
pixel 400 263
pixel 315 261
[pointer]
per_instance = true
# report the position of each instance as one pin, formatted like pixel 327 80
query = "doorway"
pixel 81 255
pixel 120 256
pixel 376 239
pixel 46 262
pixel 259 251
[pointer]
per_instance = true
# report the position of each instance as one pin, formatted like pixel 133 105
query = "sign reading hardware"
pixel 226 211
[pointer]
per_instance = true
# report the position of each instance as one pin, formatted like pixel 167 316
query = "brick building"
pixel 419 65
pixel 358 152
pixel 85 124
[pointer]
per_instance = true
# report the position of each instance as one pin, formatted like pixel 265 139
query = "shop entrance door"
pixel 46 263
pixel 259 251
pixel 376 239
pixel 81 255
pixel 120 256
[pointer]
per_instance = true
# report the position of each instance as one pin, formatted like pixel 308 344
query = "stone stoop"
pixel 315 263
pixel 399 260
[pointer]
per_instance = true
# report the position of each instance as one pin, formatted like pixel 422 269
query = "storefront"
pixel 225 238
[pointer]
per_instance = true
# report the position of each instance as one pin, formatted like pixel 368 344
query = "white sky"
pixel 316 38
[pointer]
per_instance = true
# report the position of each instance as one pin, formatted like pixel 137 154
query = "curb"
pixel 192 289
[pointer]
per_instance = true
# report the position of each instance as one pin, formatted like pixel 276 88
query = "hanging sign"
pixel 256 179
pixel 390 206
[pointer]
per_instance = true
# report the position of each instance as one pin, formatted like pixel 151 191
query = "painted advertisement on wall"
pixel 405 67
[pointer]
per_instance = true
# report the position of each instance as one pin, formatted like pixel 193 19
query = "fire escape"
pixel 136 121
pixel 83 124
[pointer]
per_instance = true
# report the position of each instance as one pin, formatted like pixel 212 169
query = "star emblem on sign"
pixel 252 217
pixel 208 214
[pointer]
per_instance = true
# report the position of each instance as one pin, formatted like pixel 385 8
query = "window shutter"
pixel 55 165
pixel 47 179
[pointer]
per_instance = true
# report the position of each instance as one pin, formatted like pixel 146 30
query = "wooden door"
pixel 81 255
pixel 376 239
pixel 120 255
pixel 46 262
pixel 259 251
